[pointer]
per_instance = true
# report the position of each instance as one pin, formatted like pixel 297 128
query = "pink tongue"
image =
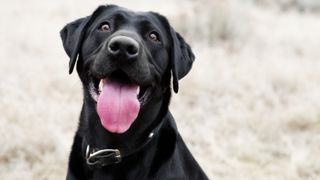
pixel 117 106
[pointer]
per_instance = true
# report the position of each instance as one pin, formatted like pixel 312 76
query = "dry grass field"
pixel 249 109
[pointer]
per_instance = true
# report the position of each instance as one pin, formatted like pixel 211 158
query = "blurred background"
pixel 249 109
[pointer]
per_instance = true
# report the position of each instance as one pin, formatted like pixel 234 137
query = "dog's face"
pixel 124 60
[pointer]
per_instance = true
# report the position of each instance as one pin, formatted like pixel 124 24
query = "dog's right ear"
pixel 72 35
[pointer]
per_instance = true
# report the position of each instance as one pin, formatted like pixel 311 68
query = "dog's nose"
pixel 123 46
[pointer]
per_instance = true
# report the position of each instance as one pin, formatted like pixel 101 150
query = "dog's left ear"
pixel 181 55
pixel 182 58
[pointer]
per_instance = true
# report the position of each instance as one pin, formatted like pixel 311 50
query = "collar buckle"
pixel 102 157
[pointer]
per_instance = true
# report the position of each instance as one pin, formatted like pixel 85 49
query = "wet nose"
pixel 123 46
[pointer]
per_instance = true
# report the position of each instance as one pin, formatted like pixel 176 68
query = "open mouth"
pixel 118 100
pixel 96 86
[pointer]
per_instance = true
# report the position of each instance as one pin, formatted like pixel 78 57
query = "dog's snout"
pixel 123 46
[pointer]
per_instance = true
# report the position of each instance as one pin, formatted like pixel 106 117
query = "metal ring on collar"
pixel 103 157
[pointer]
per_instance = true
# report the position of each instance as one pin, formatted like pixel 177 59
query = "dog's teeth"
pixel 100 85
pixel 138 90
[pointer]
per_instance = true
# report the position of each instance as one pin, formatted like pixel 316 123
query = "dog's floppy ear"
pixel 72 35
pixel 182 58
pixel 181 55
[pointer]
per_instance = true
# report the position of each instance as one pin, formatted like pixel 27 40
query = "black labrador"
pixel 125 61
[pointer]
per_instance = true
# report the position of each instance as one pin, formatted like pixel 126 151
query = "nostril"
pixel 123 47
pixel 114 47
pixel 132 50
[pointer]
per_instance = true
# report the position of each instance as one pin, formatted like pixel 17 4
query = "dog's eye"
pixel 104 27
pixel 154 37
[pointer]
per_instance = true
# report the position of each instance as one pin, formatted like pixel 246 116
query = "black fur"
pixel 166 155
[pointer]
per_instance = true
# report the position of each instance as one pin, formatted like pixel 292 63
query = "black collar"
pixel 97 158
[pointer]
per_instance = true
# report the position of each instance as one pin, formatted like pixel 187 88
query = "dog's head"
pixel 123 58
